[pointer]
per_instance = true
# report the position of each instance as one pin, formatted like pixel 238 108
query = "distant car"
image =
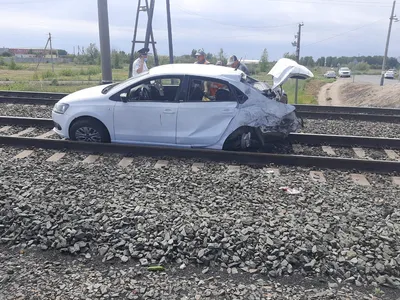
pixel 389 74
pixel 330 74
pixel 344 72
pixel 394 71
pixel 183 105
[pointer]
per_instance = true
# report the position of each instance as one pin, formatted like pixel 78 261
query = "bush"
pixel 6 54
pixel 90 71
pixel 48 74
pixel 2 62
pixel 35 76
pixel 14 66
pixel 54 82
pixel 67 72
pixel 93 71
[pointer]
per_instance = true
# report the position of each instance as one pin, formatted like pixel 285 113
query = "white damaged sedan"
pixel 183 105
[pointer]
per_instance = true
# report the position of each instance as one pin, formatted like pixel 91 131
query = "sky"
pixel 243 28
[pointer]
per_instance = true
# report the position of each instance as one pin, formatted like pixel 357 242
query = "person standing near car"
pixel 201 58
pixel 139 65
pixel 236 64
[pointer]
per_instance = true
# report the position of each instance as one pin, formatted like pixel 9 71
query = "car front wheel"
pixel 89 130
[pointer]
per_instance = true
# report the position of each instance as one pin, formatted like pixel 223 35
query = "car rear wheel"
pixel 89 130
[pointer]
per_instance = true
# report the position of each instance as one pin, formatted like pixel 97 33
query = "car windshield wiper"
pixel 107 88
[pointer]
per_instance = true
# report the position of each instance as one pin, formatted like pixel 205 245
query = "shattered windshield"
pixel 259 85
pixel 131 79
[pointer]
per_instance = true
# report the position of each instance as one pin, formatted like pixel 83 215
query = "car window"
pixel 241 97
pixel 159 89
pixel 115 85
pixel 208 90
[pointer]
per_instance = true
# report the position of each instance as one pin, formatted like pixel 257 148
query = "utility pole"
pixel 104 33
pixel 149 24
pixel 149 38
pixel 134 39
pixel 51 53
pixel 156 62
pixel 297 44
pixel 171 51
pixel 43 53
pixel 392 17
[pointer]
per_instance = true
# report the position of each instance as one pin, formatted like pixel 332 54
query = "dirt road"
pixel 345 92
pixel 329 95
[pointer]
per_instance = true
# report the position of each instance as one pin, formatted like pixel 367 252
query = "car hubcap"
pixel 87 134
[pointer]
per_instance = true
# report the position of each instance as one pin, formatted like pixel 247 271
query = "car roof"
pixel 197 70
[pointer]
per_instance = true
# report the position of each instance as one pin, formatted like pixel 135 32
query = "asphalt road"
pixel 374 79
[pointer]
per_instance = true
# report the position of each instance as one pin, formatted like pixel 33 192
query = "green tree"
pixel 6 54
pixel 62 52
pixel 222 57
pixel 289 55
pixel 116 59
pixel 93 53
pixel 264 61
pixel 320 62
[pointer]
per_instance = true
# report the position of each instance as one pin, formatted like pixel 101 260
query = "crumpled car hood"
pixel 287 68
pixel 274 116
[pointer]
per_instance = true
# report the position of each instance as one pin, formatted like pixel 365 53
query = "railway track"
pixel 305 111
pixel 41 136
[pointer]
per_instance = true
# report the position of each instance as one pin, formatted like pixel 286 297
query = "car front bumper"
pixel 60 124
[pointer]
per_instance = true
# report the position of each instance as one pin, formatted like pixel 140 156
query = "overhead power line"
pixel 344 33
pixel 232 25
pixel 334 2
pixel 24 2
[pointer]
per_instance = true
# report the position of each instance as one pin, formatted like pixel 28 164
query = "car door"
pixel 206 111
pixel 148 118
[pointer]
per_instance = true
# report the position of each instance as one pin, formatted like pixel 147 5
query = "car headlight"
pixel 60 108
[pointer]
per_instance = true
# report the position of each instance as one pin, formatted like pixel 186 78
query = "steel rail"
pixel 247 158
pixel 348 116
pixel 24 121
pixel 294 138
pixel 28 100
pixel 32 94
pixel 348 109
pixel 344 141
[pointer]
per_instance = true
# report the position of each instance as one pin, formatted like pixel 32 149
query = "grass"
pixel 54 87
pixel 62 72
pixel 307 89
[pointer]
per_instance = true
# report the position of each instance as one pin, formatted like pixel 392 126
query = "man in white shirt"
pixel 139 65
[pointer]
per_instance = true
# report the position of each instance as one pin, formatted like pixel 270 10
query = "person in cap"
pixel 139 65
pixel 201 58
pixel 236 64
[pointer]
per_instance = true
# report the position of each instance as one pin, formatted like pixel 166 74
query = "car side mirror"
pixel 124 97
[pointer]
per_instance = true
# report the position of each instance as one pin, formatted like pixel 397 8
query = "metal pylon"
pixel 149 38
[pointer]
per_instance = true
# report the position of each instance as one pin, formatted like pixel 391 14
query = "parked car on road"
pixel 183 105
pixel 330 74
pixel 344 72
pixel 389 74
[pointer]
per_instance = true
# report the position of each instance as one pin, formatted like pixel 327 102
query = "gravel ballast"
pixel 349 127
pixel 213 219
pixel 21 110
pixel 34 274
